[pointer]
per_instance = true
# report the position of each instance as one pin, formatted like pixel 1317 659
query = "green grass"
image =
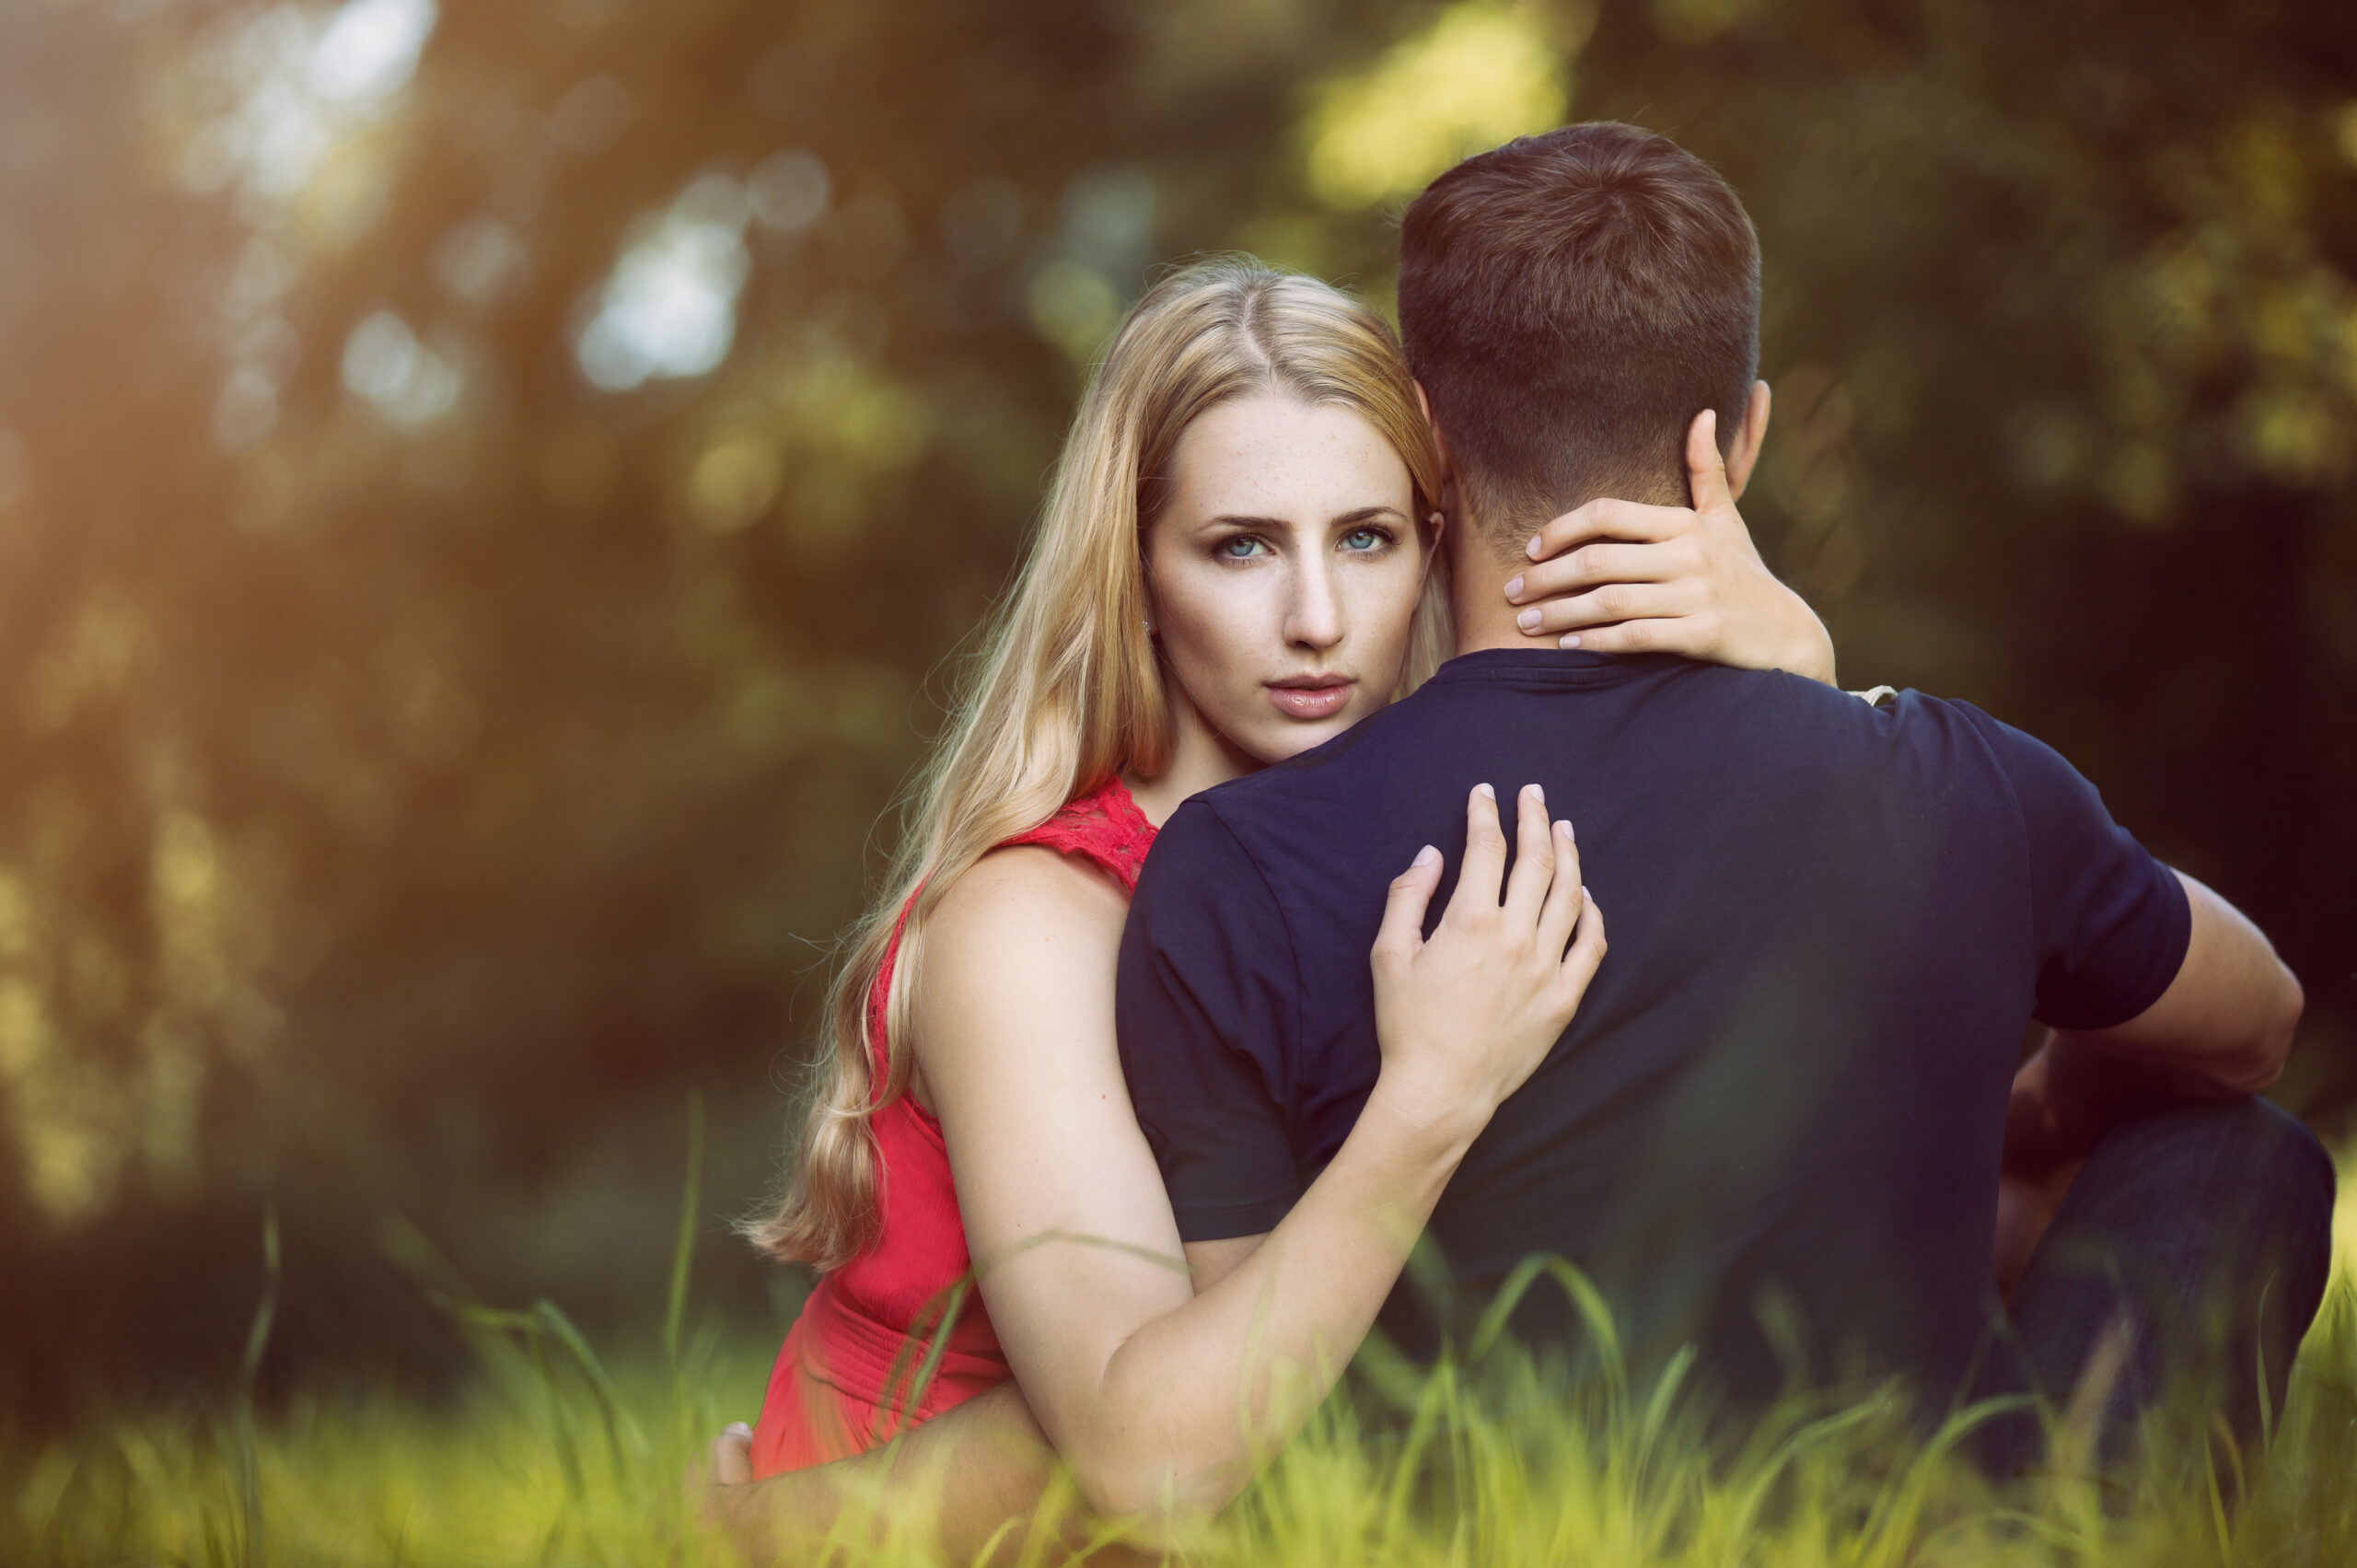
pixel 552 1458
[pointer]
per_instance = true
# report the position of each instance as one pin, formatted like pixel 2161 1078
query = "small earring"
pixel 1149 625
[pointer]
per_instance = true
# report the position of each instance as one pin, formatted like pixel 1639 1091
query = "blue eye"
pixel 1237 547
pixel 1364 541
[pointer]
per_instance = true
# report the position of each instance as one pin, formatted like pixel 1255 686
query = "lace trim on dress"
pixel 1104 826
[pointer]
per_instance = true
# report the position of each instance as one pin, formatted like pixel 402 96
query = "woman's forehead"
pixel 1273 455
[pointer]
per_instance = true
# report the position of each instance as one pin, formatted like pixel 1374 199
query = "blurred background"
pixel 491 495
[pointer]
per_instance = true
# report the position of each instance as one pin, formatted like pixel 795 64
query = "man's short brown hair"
pixel 1570 303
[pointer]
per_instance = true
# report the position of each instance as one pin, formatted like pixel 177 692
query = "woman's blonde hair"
pixel 1065 693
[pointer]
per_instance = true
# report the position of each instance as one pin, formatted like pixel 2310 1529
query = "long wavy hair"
pixel 1065 692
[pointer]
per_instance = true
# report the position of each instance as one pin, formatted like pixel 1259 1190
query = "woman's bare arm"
pixel 1162 1400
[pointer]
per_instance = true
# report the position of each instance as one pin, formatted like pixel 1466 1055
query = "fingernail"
pixel 1571 641
pixel 1485 792
pixel 1537 793
pixel 1563 829
pixel 1426 856
pixel 1513 588
pixel 1532 549
pixel 739 1429
pixel 1528 620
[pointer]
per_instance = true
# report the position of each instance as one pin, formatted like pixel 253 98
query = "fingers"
pixel 1564 894
pixel 1613 602
pixel 1607 518
pixel 1695 636
pixel 1485 859
pixel 731 1454
pixel 1534 861
pixel 1706 468
pixel 1587 951
pixel 1404 908
pixel 1663 561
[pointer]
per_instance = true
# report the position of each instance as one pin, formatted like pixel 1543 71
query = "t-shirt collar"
pixel 1572 666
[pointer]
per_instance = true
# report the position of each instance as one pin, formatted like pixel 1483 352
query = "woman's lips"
pixel 1304 702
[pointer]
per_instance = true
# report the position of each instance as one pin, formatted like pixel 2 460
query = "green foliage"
pixel 1496 1465
pixel 1490 1458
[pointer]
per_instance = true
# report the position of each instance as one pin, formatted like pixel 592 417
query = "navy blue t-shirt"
pixel 1773 1126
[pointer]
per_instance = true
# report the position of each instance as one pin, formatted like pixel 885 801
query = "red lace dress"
pixel 854 1372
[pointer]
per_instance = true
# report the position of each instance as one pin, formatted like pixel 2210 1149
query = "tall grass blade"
pixel 249 1452
pixel 683 1246
pixel 551 1317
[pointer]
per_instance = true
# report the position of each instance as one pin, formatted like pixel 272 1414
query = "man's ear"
pixel 1745 450
pixel 1448 488
pixel 1440 437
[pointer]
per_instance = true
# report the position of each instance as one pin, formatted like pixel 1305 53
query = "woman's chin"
pixel 1284 744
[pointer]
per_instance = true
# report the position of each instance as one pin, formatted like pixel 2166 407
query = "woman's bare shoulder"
pixel 1017 967
pixel 1024 902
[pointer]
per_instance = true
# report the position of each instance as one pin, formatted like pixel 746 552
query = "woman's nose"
pixel 1313 615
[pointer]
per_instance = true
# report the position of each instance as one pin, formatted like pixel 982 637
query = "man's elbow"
pixel 2283 1022
pixel 2274 1020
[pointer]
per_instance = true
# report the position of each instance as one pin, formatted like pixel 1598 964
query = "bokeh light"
pixel 1483 73
pixel 669 310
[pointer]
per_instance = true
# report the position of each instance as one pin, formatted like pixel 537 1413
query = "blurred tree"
pixel 485 496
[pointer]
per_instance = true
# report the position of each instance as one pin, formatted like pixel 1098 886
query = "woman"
pixel 1236 563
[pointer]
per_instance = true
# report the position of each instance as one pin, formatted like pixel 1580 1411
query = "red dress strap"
pixel 1104 826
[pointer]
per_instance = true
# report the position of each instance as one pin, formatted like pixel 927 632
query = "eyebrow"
pixel 1364 514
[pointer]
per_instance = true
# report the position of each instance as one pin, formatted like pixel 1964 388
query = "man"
pixel 1774 1129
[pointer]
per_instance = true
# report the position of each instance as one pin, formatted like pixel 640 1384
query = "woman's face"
pixel 1282 570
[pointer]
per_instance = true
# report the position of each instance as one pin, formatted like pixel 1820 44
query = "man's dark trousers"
pixel 2186 1262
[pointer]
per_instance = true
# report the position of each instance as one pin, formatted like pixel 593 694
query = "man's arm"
pixel 2221 1029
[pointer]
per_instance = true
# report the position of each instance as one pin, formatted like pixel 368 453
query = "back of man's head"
pixel 1569 302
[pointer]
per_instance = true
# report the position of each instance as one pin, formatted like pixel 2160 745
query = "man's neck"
pixel 1478 595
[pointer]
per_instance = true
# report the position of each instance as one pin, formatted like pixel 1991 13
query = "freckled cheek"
pixel 1382 608
pixel 1215 637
